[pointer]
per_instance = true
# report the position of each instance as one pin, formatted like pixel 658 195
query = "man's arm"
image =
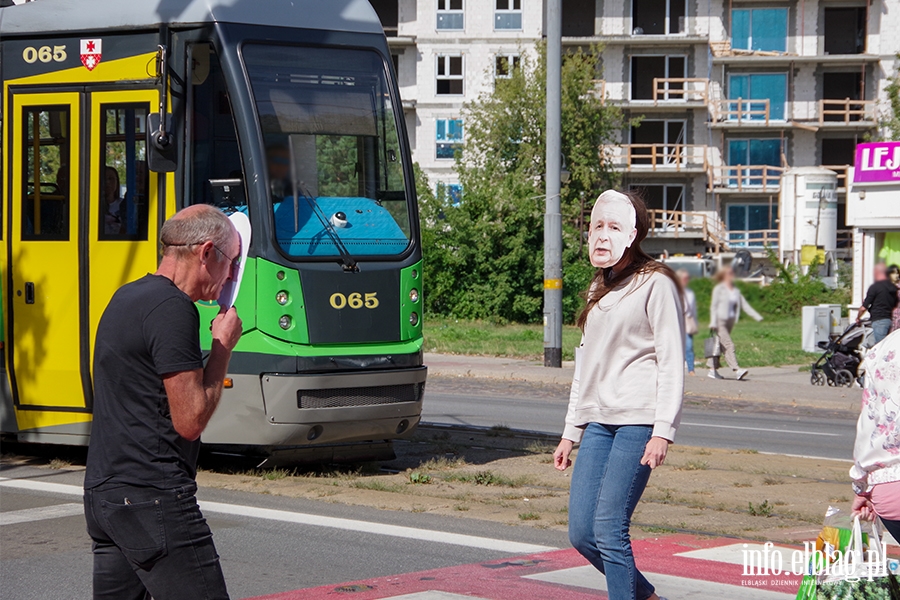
pixel 867 303
pixel 194 395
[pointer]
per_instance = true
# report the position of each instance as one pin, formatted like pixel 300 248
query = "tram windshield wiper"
pixel 348 263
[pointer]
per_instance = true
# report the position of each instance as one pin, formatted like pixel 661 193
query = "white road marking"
pixel 439 537
pixel 843 460
pixel 734 553
pixel 400 531
pixel 41 513
pixel 762 429
pixel 669 585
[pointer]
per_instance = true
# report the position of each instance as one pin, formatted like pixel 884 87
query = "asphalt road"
pixel 48 555
pixel 800 432
pixel 45 552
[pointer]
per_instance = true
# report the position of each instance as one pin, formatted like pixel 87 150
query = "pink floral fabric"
pixel 876 454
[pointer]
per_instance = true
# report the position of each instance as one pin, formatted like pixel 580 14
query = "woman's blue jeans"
pixel 607 483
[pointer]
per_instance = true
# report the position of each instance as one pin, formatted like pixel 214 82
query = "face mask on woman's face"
pixel 612 228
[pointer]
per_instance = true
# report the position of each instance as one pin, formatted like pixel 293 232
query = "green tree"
pixel 484 255
pixel 890 123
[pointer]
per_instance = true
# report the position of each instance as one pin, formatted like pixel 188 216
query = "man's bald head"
pixel 195 225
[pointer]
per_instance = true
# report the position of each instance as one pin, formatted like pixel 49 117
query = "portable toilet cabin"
pixel 807 224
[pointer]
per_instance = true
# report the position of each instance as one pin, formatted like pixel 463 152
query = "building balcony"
pixel 752 239
pixel 746 179
pixel 662 158
pixel 742 112
pixel 847 113
pixel 671 93
pixel 684 90
pixel 642 41
pixel 674 224
pixel 724 54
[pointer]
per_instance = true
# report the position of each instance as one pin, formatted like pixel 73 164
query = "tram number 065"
pixel 354 300
pixel 44 54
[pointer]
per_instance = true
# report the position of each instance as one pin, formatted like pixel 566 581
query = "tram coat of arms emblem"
pixel 91 53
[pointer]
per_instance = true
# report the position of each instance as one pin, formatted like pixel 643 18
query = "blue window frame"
pixel 450 15
pixel 760 86
pixel 747 223
pixel 508 14
pixel 759 29
pixel 449 191
pixel 755 152
pixel 449 137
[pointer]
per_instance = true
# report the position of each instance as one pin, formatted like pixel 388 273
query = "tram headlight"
pixel 285 322
pixel 414 295
pixel 414 319
pixel 415 274
pixel 282 297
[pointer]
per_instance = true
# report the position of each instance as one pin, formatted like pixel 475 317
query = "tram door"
pixel 44 258
pixel 83 222
pixel 122 198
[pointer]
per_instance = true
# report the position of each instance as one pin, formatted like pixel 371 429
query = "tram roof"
pixel 51 16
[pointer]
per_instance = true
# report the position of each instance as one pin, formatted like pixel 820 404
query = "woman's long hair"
pixel 638 262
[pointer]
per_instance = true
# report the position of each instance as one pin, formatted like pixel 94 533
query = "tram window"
pixel 124 181
pixel 330 110
pixel 46 138
pixel 215 157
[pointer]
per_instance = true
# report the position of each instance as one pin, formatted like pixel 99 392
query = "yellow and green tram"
pixel 116 114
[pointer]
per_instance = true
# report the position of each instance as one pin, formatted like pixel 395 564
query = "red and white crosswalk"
pixel 682 567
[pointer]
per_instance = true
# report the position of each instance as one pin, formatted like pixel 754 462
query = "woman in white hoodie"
pixel 625 403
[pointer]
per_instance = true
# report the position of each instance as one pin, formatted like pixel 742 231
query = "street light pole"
pixel 552 217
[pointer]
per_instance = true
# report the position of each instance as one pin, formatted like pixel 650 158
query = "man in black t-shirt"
pixel 152 399
pixel 881 299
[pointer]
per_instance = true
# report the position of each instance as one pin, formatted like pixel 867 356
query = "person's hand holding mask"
pixel 612 228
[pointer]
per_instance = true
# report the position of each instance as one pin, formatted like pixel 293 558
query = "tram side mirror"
pixel 162 151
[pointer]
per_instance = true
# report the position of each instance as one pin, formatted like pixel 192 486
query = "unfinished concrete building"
pixel 730 94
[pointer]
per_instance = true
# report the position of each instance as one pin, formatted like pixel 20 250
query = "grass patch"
pixel 529 516
pixel 774 341
pixel 771 481
pixel 460 336
pixel 537 447
pixel 275 474
pixel 693 465
pixel 763 509
pixel 376 485
pixel 461 507
pixel 417 477
pixel 742 484
pixel 656 529
pixel 59 463
pixel 442 463
pixel 488 478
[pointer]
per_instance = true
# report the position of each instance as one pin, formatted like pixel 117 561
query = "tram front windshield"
pixel 334 167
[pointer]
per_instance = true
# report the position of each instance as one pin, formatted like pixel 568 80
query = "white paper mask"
pixel 612 228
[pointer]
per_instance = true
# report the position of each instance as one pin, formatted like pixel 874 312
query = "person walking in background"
pixel 625 402
pixel 690 318
pixel 893 274
pixel 876 455
pixel 724 312
pixel 880 302
pixel 153 397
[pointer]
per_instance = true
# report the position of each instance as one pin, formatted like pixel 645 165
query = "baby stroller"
pixel 839 364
